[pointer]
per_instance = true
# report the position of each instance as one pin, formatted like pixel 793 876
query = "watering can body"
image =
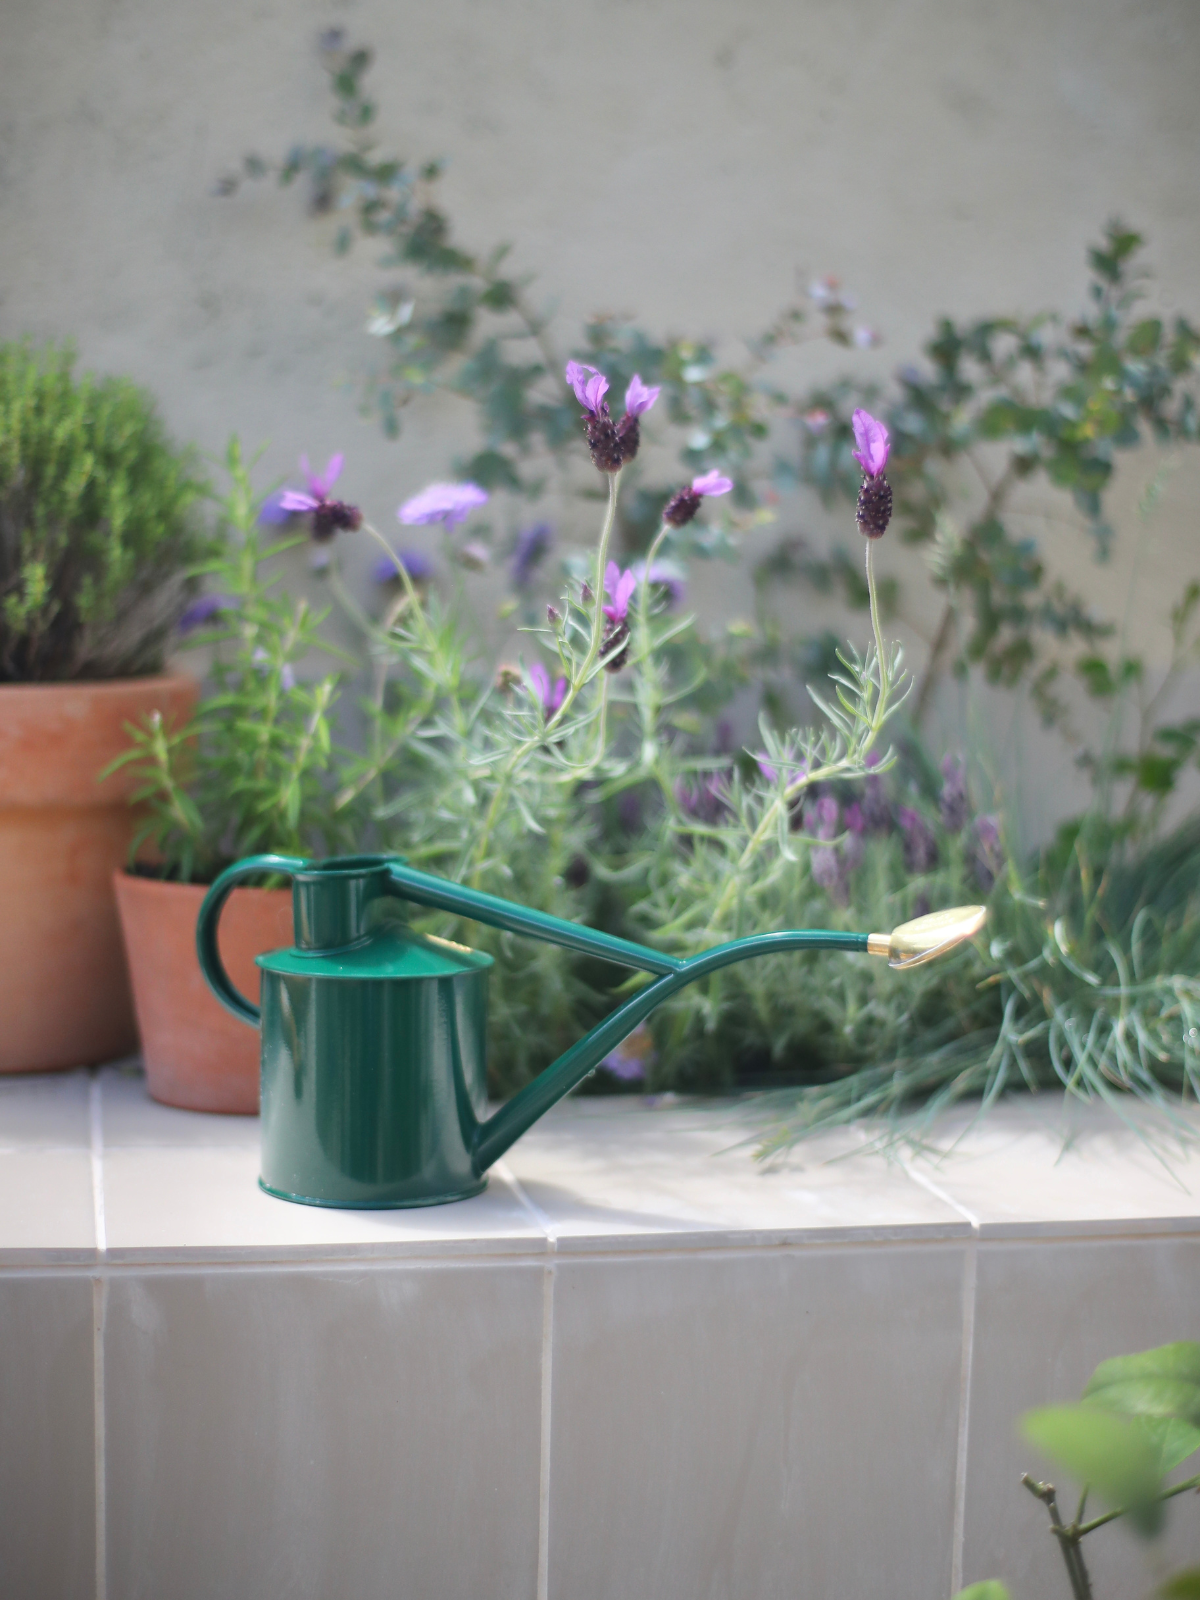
pixel 374 1068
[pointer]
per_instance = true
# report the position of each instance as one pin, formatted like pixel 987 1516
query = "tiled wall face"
pixel 366 1432
pixel 1046 1312
pixel 47 1439
pixel 740 1426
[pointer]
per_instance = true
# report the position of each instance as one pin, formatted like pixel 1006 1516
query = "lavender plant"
pixel 252 769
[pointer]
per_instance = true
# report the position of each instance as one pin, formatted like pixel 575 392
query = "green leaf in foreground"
pixel 989 1589
pixel 1160 1386
pixel 1112 1455
pixel 1183 1586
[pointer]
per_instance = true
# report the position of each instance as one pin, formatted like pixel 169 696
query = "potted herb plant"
pixel 98 532
pixel 248 773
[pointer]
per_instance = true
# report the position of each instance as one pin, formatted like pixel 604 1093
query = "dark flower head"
pixel 328 516
pixel 684 504
pixel 954 802
pixel 549 695
pixel 920 845
pixel 204 609
pixel 415 562
pixel 447 503
pixel 531 548
pixel 874 509
pixel 638 399
pixel 985 852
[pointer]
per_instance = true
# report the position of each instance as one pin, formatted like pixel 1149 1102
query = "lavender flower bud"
pixel 681 508
pixel 920 845
pixel 953 802
pixel 874 510
pixel 876 807
pixel 585 594
pixel 616 638
pixel 607 450
pixel 985 853
pixel 629 434
pixel 334 516
pixel 552 616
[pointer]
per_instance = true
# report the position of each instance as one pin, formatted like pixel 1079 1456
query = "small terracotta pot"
pixel 197 1054
pixel 64 990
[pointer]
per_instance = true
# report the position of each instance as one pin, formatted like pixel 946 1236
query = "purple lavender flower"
pixel 920 845
pixel 415 562
pixel 854 819
pixel 874 510
pixel 826 868
pixel 706 798
pixel 590 386
pixel 638 399
pixel 822 818
pixel 447 503
pixel 662 576
pixel 531 548
pixel 329 516
pixel 551 696
pixel 876 807
pixel 954 802
pixel 985 852
pixel 202 610
pixel 684 503
pixel 619 587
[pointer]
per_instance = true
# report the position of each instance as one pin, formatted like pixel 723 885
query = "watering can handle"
pixel 207 949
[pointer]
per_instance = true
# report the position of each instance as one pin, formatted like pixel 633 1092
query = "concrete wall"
pixel 681 159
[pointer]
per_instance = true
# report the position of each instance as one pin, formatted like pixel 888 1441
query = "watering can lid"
pixel 390 952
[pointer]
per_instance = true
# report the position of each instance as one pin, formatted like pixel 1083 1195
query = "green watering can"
pixel 374 1076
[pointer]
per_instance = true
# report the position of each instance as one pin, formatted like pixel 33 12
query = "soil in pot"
pixel 64 990
pixel 197 1055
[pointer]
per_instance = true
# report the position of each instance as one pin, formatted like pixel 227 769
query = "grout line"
pixel 99 1312
pixel 543 1221
pixel 970 1279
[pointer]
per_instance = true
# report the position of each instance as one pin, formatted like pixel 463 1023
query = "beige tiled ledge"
pixel 639 1364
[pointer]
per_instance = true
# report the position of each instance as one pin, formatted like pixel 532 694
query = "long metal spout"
pixel 910 945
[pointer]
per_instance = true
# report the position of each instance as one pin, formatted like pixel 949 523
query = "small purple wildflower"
pixel 639 397
pixel 202 610
pixel 590 386
pixel 329 516
pixel 684 503
pixel 874 509
pixel 920 845
pixel 706 799
pixel 550 696
pixel 531 548
pixel 619 587
pixel 447 503
pixel 954 802
pixel 985 853
pixel 873 443
pixel 415 562
pixel 822 818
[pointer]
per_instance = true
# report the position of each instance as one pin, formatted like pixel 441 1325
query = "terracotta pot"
pixel 197 1055
pixel 64 991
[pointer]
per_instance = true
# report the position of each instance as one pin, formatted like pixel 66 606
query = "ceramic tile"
pixel 367 1432
pixel 176 1205
pixel 131 1120
pixel 1036 1167
pixel 770 1423
pixel 601 1175
pixel 47 1442
pixel 1046 1313
pixel 44 1110
pixel 46 1207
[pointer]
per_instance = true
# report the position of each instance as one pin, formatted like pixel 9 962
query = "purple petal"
pixel 873 443
pixel 625 590
pixel 202 609
pixel 589 391
pixel 639 398
pixel 287 676
pixel 415 562
pixel 712 482
pixel 539 682
pixel 594 392
pixel 612 576
pixel 295 501
pixel 557 695
pixel 449 503
pixel 665 577
pixel 271 512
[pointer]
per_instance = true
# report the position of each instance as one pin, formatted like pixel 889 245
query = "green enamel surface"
pixel 393 953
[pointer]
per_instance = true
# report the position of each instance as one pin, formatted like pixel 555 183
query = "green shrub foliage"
pixel 98 525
